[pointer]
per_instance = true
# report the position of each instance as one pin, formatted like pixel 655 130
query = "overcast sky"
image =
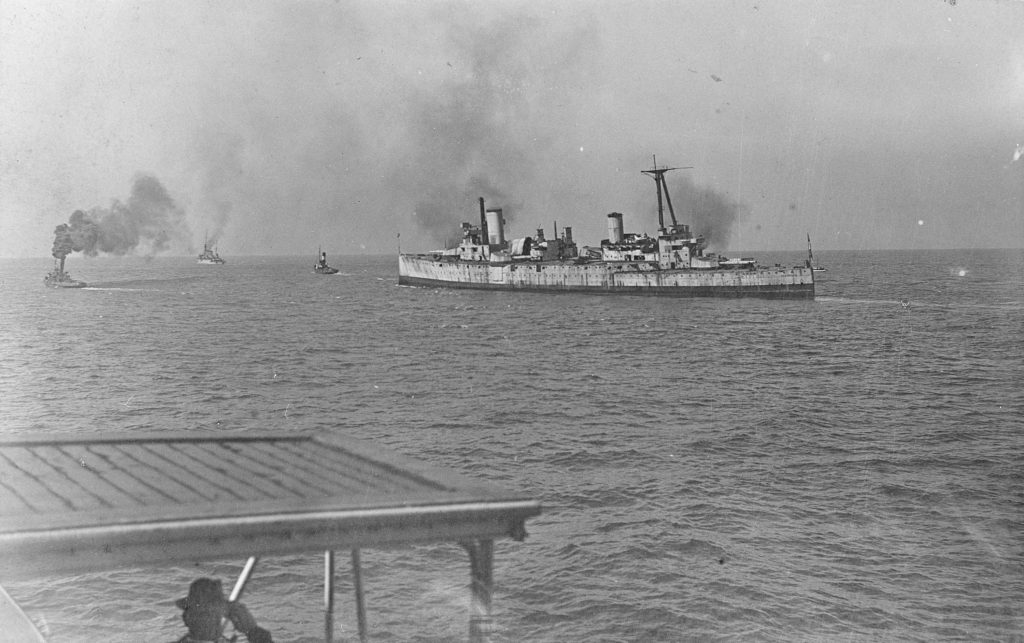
pixel 278 127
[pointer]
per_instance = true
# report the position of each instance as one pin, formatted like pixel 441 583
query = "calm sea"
pixel 846 469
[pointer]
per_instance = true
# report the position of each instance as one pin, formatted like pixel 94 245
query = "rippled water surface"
pixel 850 468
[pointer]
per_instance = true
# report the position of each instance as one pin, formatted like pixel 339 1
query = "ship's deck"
pixel 71 504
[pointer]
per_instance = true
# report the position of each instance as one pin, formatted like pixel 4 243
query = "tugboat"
pixel 57 278
pixel 209 255
pixel 321 267
pixel 671 264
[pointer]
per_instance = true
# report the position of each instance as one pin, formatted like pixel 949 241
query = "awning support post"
pixel 357 581
pixel 481 557
pixel 243 578
pixel 329 595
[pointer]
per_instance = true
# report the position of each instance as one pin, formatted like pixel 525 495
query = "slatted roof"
pixel 75 503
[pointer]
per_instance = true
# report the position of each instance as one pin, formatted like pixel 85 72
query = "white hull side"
pixel 599 277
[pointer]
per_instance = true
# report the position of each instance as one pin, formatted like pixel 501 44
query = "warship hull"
pixel 209 255
pixel 64 283
pixel 601 277
pixel 57 278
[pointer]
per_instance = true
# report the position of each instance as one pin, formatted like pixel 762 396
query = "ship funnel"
pixel 495 227
pixel 615 227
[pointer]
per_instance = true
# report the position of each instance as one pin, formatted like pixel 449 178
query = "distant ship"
pixel 673 264
pixel 209 255
pixel 810 258
pixel 321 267
pixel 57 278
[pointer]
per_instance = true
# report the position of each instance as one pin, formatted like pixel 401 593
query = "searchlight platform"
pixel 85 503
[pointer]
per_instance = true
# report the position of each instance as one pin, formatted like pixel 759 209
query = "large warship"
pixel 57 278
pixel 209 255
pixel 672 264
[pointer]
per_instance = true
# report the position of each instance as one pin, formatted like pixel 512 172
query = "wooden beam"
pixel 31 554
pixel 15 625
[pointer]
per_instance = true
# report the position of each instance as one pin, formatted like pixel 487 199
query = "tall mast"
pixel 484 239
pixel 658 174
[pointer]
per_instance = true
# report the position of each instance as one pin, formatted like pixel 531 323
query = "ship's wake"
pixel 908 303
pixel 113 289
pixel 142 284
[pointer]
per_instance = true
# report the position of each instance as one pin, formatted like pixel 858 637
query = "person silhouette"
pixel 205 611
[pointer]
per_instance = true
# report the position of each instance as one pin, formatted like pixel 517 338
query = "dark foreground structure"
pixel 73 504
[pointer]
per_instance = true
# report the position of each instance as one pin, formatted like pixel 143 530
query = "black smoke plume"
pixel 707 211
pixel 150 220
pixel 438 211
pixel 481 133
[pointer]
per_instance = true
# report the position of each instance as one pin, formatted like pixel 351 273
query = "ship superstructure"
pixel 673 263
pixel 321 267
pixel 57 278
pixel 209 255
pixel 810 258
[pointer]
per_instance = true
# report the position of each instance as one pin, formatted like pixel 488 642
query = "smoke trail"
pixel 150 220
pixel 709 213
pixel 222 162
pixel 438 211
pixel 482 133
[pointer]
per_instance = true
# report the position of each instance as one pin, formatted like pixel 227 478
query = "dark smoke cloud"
pixel 150 220
pixel 349 120
pixel 438 212
pixel 221 155
pixel 483 133
pixel 707 211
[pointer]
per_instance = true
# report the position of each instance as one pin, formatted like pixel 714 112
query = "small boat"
pixel 810 259
pixel 57 278
pixel 321 267
pixel 746 263
pixel 209 255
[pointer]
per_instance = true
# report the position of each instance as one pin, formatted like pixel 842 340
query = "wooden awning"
pixel 76 503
